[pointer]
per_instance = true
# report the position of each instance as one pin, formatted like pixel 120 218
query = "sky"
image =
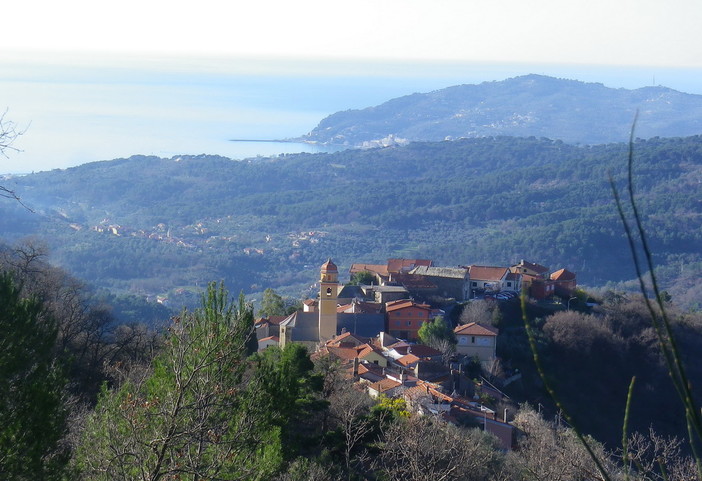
pixel 600 32
pixel 91 80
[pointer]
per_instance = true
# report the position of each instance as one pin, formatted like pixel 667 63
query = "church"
pixel 319 322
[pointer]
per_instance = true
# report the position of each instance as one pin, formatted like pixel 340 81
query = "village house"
pixel 450 282
pixel 531 269
pixel 382 272
pixel 405 317
pixel 475 340
pixel 564 282
pixel 491 279
pixel 425 399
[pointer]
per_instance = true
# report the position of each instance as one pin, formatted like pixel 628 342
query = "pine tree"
pixel 32 389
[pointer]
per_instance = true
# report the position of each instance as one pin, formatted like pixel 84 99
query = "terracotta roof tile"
pixel 403 304
pixel 538 268
pixel 385 385
pixel 475 329
pixel 408 360
pixel 487 273
pixel 562 275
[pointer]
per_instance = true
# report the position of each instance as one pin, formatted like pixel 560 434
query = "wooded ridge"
pixel 165 226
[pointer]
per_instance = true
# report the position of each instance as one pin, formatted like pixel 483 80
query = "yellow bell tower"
pixel 328 290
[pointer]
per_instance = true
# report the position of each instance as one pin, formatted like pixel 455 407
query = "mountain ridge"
pixel 525 106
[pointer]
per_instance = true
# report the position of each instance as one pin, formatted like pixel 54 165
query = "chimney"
pixel 504 418
pixel 355 367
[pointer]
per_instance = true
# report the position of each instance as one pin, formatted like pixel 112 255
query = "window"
pixel 509 284
pixel 475 283
pixel 329 291
pixel 409 323
pixel 472 339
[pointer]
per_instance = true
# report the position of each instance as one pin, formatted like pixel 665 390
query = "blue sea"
pixel 73 111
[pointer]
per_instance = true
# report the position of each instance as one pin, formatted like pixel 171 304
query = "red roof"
pixel 408 360
pixel 538 268
pixel 385 385
pixel 487 273
pixel 563 275
pixel 475 329
pixel 403 304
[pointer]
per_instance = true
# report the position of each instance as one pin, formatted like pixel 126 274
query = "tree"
pixel 478 311
pixel 439 335
pixel 551 452
pixel 191 415
pixel 272 304
pixel 8 134
pixel 421 448
pixel 33 410
pixel 362 278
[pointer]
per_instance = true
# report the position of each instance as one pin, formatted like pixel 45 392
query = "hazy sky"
pixel 98 80
pixel 598 32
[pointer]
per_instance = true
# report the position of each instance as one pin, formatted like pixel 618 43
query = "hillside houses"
pixel 371 330
pixel 421 280
pixel 408 293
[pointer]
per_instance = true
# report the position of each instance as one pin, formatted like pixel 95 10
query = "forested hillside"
pixel 166 226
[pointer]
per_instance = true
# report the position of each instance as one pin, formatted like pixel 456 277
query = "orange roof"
pixel 487 273
pixel 408 360
pixel 404 303
pixel 310 302
pixel 347 338
pixel 385 385
pixel 475 329
pixel 348 352
pixel 343 353
pixel 538 268
pixel 562 275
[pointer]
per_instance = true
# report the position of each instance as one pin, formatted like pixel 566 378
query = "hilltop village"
pixel 372 328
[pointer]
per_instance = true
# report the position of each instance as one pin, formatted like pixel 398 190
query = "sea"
pixel 72 110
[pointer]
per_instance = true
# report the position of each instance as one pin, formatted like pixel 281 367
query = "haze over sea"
pixel 78 111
